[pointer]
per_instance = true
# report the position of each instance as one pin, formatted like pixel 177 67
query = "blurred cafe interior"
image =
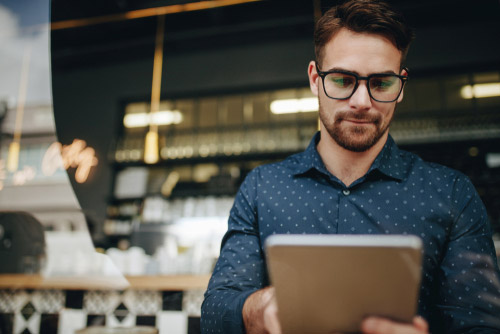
pixel 127 127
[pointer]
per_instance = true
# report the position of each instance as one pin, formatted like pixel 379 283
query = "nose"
pixel 361 98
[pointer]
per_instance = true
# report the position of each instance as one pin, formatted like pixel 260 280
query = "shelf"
pixel 210 159
pixel 160 283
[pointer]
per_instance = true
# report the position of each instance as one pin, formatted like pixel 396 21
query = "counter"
pixel 64 305
pixel 161 283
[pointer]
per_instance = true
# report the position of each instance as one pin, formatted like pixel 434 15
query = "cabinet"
pixel 205 153
pixel 215 141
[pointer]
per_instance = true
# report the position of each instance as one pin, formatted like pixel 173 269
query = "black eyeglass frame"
pixel 323 74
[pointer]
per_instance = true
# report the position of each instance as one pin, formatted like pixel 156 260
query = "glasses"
pixel 382 87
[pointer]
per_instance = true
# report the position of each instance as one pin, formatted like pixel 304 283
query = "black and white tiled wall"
pixel 27 311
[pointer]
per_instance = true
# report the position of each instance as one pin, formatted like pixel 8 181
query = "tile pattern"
pixel 96 320
pixel 101 302
pixel 172 300
pixel 48 301
pixel 191 303
pixel 145 320
pixel 172 322
pixel 71 321
pixel 11 300
pixel 27 311
pixel 121 312
pixel 27 325
pixel 144 302
pixel 6 322
pixel 194 325
pixel 74 299
pixel 49 323
pixel 65 312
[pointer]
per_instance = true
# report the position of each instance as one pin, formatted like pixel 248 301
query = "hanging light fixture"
pixel 15 145
pixel 151 150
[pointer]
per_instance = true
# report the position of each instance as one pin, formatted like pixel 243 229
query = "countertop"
pixel 161 282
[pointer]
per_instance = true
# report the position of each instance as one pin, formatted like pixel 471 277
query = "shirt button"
pixel 346 192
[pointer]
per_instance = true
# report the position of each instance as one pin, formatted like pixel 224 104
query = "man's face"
pixel 357 123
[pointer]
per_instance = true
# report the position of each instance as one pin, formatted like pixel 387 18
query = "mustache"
pixel 357 116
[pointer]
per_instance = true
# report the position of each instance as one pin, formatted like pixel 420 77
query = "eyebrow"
pixel 357 73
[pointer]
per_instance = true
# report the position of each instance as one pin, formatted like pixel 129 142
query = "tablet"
pixel 330 283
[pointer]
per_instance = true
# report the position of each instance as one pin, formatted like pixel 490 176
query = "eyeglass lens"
pixel 381 87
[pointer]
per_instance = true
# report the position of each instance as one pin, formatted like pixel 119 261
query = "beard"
pixel 353 138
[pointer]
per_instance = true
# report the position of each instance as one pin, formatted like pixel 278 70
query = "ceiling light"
pixel 165 117
pixel 291 106
pixel 136 120
pixel 151 148
pixel 480 90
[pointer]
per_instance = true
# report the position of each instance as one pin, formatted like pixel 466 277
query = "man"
pixel 352 179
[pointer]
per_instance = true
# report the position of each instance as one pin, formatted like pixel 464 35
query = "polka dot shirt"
pixel 400 194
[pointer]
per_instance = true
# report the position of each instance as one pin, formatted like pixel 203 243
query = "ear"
pixel 405 73
pixel 313 77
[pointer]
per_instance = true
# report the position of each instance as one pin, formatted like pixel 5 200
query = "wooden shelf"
pixel 161 282
pixel 219 158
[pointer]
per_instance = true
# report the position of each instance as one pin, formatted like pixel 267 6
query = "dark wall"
pixel 87 99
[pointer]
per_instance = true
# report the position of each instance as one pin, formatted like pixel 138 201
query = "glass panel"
pixel 135 108
pixel 208 112
pixel 234 110
pixel 488 78
pixel 186 107
pixel 285 94
pixel 307 116
pixel 166 105
pixel 408 103
pixel 260 108
pixel 428 94
pixel 452 87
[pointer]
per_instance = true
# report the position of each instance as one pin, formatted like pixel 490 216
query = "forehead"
pixel 361 52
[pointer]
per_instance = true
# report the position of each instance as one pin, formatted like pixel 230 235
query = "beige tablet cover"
pixel 329 284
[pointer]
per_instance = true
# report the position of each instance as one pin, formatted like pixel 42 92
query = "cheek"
pixel 327 104
pixel 387 113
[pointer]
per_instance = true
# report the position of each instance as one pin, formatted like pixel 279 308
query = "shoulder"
pixel 287 167
pixel 433 174
pixel 417 165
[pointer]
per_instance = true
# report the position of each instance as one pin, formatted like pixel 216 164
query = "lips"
pixel 358 119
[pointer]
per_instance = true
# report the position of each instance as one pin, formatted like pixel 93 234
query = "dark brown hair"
pixel 363 16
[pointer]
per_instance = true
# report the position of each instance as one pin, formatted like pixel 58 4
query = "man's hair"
pixel 363 16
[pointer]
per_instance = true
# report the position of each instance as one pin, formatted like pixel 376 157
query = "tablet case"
pixel 330 283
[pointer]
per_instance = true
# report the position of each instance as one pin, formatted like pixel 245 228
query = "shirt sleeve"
pixel 469 297
pixel 240 269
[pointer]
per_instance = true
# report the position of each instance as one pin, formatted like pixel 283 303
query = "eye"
pixel 383 83
pixel 342 81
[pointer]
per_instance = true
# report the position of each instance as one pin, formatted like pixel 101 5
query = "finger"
pixel 420 323
pixel 373 325
pixel 273 327
pixel 271 321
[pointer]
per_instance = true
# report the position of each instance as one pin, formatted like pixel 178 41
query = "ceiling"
pixel 195 31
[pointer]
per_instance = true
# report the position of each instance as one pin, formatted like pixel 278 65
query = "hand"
pixel 271 321
pixel 260 313
pixel 375 325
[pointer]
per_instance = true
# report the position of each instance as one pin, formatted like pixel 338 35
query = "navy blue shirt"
pixel 400 194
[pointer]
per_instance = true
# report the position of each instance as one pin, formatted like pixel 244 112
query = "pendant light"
pixel 15 145
pixel 151 150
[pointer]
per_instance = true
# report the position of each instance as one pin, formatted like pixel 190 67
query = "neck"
pixel 347 166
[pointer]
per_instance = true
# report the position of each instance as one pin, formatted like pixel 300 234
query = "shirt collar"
pixel 389 161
